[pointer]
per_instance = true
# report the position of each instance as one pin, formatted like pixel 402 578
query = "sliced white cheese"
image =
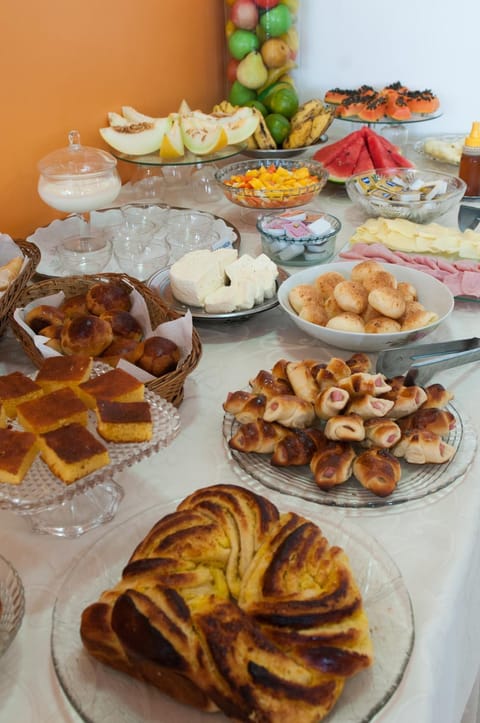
pixel 194 276
pixel 221 301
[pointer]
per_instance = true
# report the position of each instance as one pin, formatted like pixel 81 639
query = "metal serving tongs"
pixel 419 362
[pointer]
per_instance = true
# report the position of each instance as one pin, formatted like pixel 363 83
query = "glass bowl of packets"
pixel 407 193
pixel 299 238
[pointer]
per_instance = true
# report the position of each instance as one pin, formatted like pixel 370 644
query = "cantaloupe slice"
pixel 172 146
pixel 202 136
pixel 135 139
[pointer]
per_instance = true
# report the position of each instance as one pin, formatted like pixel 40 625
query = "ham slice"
pixel 462 277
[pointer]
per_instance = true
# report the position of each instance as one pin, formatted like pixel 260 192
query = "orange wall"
pixel 64 65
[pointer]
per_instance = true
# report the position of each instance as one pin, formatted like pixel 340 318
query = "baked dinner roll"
pixel 314 313
pixel 382 325
pixel 123 324
pixel 303 294
pixel 346 321
pixel 387 301
pixel 407 290
pixel 103 297
pixel 44 315
pixel 379 279
pixel 75 305
pixel 122 348
pixel 331 307
pixel 88 335
pixel 325 283
pixel 351 296
pixel 159 356
pixel 365 270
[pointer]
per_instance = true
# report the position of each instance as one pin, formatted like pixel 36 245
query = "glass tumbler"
pixel 85 253
pixel 139 251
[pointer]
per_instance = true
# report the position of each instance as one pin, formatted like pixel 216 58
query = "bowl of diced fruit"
pixel 273 184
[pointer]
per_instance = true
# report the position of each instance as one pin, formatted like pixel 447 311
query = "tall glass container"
pixel 261 51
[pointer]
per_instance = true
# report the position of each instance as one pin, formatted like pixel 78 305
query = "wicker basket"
pixel 170 385
pixel 8 300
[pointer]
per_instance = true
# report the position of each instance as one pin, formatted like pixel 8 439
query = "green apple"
pixel 276 21
pixel 239 95
pixel 241 42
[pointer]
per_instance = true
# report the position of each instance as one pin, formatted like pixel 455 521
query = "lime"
pixel 258 105
pixel 283 101
pixel 241 42
pixel 276 21
pixel 239 95
pixel 279 127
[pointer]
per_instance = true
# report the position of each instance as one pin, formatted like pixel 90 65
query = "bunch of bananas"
pixel 307 125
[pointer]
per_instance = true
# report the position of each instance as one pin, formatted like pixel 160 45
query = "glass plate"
pixel 12 603
pixel 418 482
pixel 283 152
pixel 160 283
pixel 419 147
pixel 416 118
pixel 189 159
pixel 99 693
pixel 41 489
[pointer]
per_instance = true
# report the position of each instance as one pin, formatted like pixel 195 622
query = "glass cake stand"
pixel 153 175
pixel 393 130
pixel 55 508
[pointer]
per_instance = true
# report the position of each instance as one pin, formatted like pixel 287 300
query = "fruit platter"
pixel 359 152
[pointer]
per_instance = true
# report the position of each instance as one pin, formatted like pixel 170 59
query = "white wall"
pixel 425 44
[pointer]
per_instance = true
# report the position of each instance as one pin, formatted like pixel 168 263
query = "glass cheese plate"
pixel 99 693
pixel 68 510
pixel 417 485
pixel 12 603
pixel 188 159
pixel 444 149
pixel 160 284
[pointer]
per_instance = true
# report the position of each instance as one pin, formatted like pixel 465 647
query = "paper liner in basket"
pixel 9 251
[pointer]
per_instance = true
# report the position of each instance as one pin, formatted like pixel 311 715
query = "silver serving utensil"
pixel 419 362
pixel 468 217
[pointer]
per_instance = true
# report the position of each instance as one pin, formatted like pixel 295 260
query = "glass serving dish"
pixel 12 603
pixel 70 510
pixel 418 484
pixel 274 197
pixel 99 693
pixel 443 149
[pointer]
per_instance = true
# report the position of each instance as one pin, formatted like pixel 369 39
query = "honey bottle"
pixel 470 162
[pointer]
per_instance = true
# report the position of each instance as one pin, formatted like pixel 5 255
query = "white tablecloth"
pixel 435 545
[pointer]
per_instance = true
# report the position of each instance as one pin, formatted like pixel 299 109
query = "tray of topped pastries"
pixel 72 425
pixel 339 434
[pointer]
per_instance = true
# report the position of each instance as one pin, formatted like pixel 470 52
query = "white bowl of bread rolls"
pixel 365 306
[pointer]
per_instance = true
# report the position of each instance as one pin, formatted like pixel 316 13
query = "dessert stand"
pixel 393 130
pixel 54 508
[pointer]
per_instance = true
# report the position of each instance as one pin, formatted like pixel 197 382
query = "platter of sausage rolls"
pixel 339 434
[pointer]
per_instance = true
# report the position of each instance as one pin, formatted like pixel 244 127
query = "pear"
pixel 251 71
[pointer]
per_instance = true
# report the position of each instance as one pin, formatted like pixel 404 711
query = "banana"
pixel 262 135
pixel 308 124
pixel 224 107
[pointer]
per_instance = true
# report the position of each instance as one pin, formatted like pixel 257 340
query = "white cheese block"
pixel 221 301
pixel 244 293
pixel 197 274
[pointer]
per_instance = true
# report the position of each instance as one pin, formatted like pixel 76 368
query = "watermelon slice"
pixel 327 153
pixel 364 162
pixel 385 157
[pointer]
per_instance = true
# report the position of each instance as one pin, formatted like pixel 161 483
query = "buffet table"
pixel 434 543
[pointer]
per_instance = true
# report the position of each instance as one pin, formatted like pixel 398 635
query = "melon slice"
pixel 134 116
pixel 239 125
pixel 135 139
pixel 115 119
pixel 202 137
pixel 172 146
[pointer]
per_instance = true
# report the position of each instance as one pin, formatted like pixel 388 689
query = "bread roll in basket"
pixel 170 385
pixel 227 604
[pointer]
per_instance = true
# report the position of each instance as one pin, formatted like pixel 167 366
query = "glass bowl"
pixel 85 253
pixel 281 194
pixel 12 603
pixel 302 239
pixel 406 193
pixel 435 296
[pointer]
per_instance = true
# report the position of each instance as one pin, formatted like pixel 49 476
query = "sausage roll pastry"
pixel 297 447
pixel 345 428
pixel 329 374
pixel 440 421
pixel 383 433
pixel 258 436
pixel 299 375
pixel 419 446
pixel 407 401
pixel 245 406
pixel 359 362
pixel 266 383
pixel 289 410
pixel 437 396
pixel 332 465
pixel 366 406
pixel 279 369
pixel 364 383
pixel 330 402
pixel 378 471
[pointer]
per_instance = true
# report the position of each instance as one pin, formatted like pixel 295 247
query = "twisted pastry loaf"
pixel 228 604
